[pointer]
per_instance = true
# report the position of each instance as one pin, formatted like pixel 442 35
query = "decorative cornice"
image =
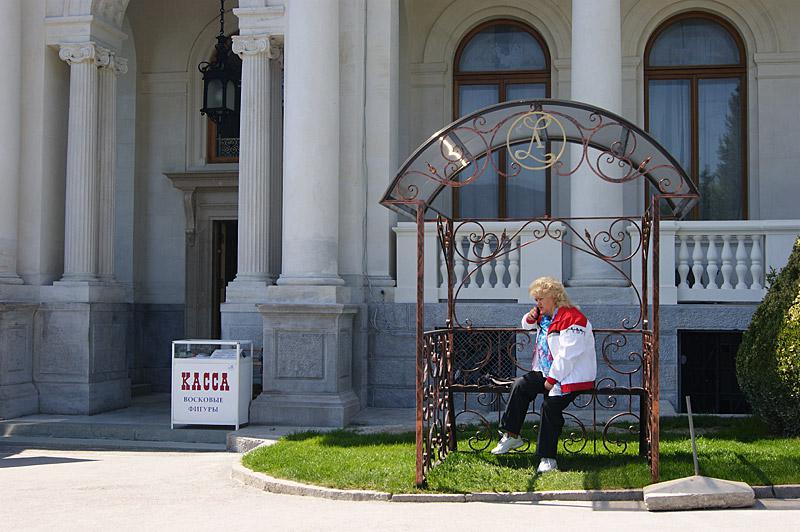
pixel 250 45
pixel 78 52
pixel 259 20
pixel 82 29
pixel 190 183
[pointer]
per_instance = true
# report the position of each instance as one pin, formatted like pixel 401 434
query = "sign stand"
pixel 212 382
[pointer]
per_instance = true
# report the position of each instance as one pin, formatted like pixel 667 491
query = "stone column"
pixel 80 225
pixel 107 140
pixel 596 79
pixel 255 139
pixel 382 110
pixel 308 327
pixel 10 94
pixel 311 145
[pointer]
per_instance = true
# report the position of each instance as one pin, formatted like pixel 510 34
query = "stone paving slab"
pixel 697 492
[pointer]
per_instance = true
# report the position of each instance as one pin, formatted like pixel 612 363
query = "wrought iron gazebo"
pixel 460 358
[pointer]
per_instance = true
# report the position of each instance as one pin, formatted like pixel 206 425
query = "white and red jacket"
pixel 571 342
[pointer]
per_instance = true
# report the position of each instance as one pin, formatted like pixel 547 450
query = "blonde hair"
pixel 550 287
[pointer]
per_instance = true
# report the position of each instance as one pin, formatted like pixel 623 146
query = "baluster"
pixel 683 262
pixel 459 268
pixel 513 264
pixel 756 260
pixel 442 268
pixel 727 262
pixel 741 262
pixel 713 265
pixel 697 262
pixel 486 267
pixel 500 267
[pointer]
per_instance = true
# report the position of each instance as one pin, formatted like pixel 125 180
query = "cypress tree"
pixel 768 360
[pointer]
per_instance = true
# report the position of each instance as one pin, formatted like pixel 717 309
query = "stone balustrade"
pixel 505 277
pixel 701 261
pixel 721 261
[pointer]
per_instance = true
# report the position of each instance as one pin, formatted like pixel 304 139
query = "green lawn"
pixel 735 449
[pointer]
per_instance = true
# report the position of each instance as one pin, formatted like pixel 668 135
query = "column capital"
pixel 120 66
pixel 78 52
pixel 249 45
pixel 104 58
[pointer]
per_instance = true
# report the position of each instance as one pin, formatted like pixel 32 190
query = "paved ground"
pixel 115 490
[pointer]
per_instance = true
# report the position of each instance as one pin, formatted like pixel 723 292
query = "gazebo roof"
pixel 535 135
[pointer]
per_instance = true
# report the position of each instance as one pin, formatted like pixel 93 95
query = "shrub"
pixel 768 361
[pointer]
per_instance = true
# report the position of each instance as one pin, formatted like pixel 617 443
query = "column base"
pixel 18 400
pixel 79 278
pixel 18 395
pixel 308 365
pixel 248 290
pixel 19 293
pixel 242 321
pixel 324 280
pixel 84 398
pixel 10 279
pixel 81 356
pixel 309 294
pixel 84 292
pixel 307 410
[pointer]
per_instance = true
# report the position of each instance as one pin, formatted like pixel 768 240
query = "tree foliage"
pixel 768 361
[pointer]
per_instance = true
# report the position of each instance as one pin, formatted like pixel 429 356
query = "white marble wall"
pixel 169 138
pixel 171 38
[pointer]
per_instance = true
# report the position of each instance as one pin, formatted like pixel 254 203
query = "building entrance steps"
pixel 145 425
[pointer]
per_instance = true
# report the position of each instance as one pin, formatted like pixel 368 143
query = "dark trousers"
pixel 523 392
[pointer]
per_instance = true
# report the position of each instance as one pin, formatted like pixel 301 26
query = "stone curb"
pixel 288 487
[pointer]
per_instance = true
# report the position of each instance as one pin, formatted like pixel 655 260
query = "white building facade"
pixel 128 221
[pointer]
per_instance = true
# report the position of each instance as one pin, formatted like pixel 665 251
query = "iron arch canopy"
pixel 536 135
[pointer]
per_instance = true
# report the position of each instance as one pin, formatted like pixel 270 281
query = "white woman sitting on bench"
pixel 564 363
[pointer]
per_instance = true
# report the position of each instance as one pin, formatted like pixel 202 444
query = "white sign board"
pixel 204 392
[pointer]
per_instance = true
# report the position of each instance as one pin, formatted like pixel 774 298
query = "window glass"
pixel 526 192
pixel 696 111
pixel 719 142
pixel 694 42
pixel 669 108
pixel 499 62
pixel 502 47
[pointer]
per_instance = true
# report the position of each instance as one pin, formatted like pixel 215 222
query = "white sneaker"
pixel 507 443
pixel 547 464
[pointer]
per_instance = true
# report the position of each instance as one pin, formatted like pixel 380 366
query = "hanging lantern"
pixel 221 78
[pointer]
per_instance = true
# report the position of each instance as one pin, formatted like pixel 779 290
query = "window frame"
pixel 500 78
pixel 211 145
pixel 693 74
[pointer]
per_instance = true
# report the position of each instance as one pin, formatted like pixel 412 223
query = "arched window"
pixel 695 98
pixel 499 61
pixel 222 143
